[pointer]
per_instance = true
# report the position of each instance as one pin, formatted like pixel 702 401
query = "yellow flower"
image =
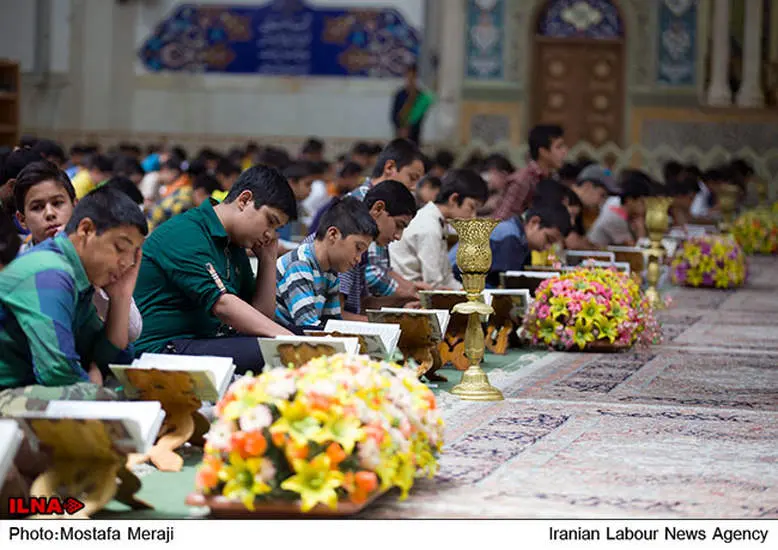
pixel 694 277
pixel 720 250
pixel 608 329
pixel 558 306
pixel 547 330
pixel 243 479
pixel 692 253
pixel 315 482
pixel 707 263
pixel 341 429
pixel 721 278
pixel 591 312
pixel 298 421
pixel 582 334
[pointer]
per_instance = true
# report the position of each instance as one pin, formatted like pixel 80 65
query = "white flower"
pixel 281 389
pixel 256 418
pixel 324 388
pixel 267 471
pixel 399 439
pixel 218 436
pixel 369 455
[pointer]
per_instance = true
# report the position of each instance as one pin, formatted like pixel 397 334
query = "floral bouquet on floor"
pixel 339 428
pixel 709 261
pixel 757 232
pixel 589 307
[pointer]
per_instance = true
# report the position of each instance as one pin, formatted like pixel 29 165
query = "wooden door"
pixel 579 84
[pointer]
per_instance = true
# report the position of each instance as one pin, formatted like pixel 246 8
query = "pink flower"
pixel 543 311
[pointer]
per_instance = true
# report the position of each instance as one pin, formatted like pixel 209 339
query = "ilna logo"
pixel 44 506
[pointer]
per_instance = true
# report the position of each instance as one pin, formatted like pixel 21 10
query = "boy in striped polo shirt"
pixel 308 289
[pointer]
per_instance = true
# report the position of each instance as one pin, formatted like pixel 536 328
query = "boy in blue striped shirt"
pixel 308 289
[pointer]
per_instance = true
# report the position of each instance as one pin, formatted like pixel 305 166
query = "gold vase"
pixel 727 195
pixel 474 259
pixel 657 224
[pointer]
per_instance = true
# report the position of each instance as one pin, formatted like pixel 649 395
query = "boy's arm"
pixel 264 300
pixel 297 291
pixel 45 308
pixel 347 315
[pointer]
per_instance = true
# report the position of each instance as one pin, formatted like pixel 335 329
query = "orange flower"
pixel 366 481
pixel 255 444
pixel 207 478
pixel 238 443
pixel 375 431
pixel 278 439
pixel 319 402
pixel 336 454
pixel 348 482
pixel 358 496
pixel 296 451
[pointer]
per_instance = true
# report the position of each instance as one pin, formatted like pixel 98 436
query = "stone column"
pixel 719 94
pixel 750 93
pixel 451 54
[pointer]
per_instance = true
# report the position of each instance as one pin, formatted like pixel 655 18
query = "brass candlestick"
pixel 474 259
pixel 657 224
pixel 727 195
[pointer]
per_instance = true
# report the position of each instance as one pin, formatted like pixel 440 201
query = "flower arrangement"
pixel 338 428
pixel 757 232
pixel 710 261
pixel 591 305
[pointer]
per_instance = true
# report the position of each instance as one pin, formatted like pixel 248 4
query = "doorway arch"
pixel 578 69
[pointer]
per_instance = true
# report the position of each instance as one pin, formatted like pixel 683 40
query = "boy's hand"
pixel 267 252
pixel 95 376
pixel 421 285
pixel 125 285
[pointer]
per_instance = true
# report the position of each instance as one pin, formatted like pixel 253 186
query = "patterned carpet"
pixel 686 429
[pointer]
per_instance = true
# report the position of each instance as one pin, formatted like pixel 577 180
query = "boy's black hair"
pixel 362 148
pixel 594 182
pixel 313 145
pixel 179 152
pixel 672 171
pixel 206 182
pixel 395 196
pixel 430 181
pixel 475 161
pixel 27 141
pixel 77 149
pixel 499 162
pixel 49 149
pixel 196 167
pixel 350 216
pixel 38 172
pixel 125 165
pixel 465 183
pixel 9 239
pixel 402 151
pixel 269 187
pixel 15 162
pixel 102 163
pixel 208 154
pixel 171 164
pixel 742 167
pixel 107 207
pixel 274 158
pixel 635 184
pixel 375 148
pixel 569 171
pixel 350 169
pixel 551 215
pixel 227 168
pixel 550 192
pixel 681 187
pixel 541 137
pixel 299 170
pixel 444 159
pixel 126 186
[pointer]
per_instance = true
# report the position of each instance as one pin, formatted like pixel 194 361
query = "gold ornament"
pixel 657 224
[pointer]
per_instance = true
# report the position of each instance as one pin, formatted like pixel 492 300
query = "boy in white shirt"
pixel 422 253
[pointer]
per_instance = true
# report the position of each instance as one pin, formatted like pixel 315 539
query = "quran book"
pixel 437 318
pixel 275 350
pixel 90 428
pixel 10 441
pixel 576 257
pixel 210 376
pixel 380 338
pixel 519 298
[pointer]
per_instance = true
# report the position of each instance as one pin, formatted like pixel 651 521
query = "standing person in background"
pixel 547 152
pixel 409 107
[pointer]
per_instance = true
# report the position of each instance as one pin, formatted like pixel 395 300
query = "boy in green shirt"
pixel 50 332
pixel 196 290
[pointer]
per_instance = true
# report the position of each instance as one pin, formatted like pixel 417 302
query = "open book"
pixel 518 297
pixel 438 318
pixel 79 428
pixel 576 257
pixel 380 339
pixel 210 376
pixel 282 350
pixel 10 441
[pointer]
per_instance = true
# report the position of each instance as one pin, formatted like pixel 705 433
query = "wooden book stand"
pixel 452 348
pixel 417 342
pixel 298 354
pixel 503 323
pixel 175 392
pixel 85 465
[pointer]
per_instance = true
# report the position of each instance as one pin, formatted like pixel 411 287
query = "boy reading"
pixel 308 284
pixel 512 240
pixel 51 332
pixel 422 253
pixel 621 222
pixel 392 206
pixel 196 289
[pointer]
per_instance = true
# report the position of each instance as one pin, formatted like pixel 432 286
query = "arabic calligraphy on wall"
pixel 485 39
pixel 676 61
pixel 282 37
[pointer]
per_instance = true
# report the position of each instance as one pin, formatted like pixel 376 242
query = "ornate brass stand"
pixel 474 259
pixel 657 224
pixel 728 195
